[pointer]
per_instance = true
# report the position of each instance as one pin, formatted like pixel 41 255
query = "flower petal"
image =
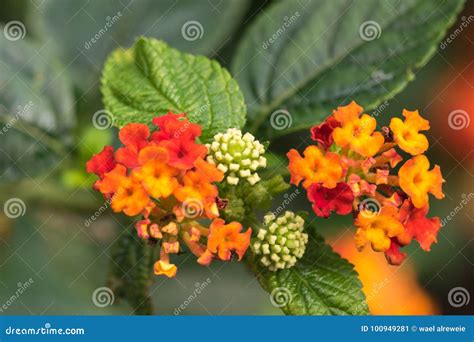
pixel 338 199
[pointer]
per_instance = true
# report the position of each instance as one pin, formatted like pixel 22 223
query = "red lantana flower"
pixel 418 226
pixel 134 136
pixel 322 133
pixel 393 255
pixel 102 162
pixel 338 199
pixel 183 153
pixel 174 126
pixel 178 136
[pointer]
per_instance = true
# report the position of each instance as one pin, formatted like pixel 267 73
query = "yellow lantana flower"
pixel 158 178
pixel 377 228
pixel 314 167
pixel 417 181
pixel 406 133
pixel 357 131
pixel 163 267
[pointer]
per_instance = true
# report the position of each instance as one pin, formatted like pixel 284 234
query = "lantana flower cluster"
pixel 353 168
pixel 162 176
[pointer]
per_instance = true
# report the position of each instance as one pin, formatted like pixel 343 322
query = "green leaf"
pixel 302 59
pixel 96 28
pixel 276 164
pixel 321 283
pixel 152 79
pixel 36 109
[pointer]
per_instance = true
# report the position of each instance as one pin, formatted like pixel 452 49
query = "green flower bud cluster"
pixel 282 242
pixel 237 156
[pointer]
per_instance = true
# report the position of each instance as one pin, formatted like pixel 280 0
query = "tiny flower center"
pixel 406 135
pixel 357 130
pixel 418 179
pixel 129 191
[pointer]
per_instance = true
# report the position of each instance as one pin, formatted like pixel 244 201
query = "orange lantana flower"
pixel 126 193
pixel 163 267
pixel 225 238
pixel 357 132
pixel 134 136
pixel 314 167
pixel 417 181
pixel 162 177
pixel 406 133
pixel 157 177
pixel 198 187
pixel 377 228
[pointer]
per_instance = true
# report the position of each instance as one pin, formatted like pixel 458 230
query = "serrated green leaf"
pixel 307 57
pixel 96 28
pixel 36 109
pixel 152 79
pixel 321 283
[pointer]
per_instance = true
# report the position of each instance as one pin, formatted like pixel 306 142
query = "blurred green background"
pixel 68 259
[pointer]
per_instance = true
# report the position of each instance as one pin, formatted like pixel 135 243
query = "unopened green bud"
pixel 237 156
pixel 281 242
